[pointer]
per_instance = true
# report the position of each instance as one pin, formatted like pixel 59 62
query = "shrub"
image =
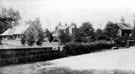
pixel 81 48
pixel 31 40
pixel 39 42
pixel 23 40
pixel 30 43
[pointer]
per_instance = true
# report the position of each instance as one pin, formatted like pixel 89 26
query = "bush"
pixel 82 48
pixel 30 43
pixel 23 40
pixel 39 42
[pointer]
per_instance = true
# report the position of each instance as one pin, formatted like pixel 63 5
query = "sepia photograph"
pixel 67 37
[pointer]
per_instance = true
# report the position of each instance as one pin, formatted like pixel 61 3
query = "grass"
pixel 69 71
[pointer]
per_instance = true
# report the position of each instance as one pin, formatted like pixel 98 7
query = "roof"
pixel 124 26
pixel 9 31
pixel 21 29
pixel 61 27
pixel 16 30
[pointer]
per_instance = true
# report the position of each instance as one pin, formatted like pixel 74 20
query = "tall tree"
pixel 36 23
pixel 8 18
pixel 11 13
pixel 100 35
pixel 86 31
pixel 64 38
pixel 4 12
pixel 111 30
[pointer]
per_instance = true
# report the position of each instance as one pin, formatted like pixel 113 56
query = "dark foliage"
pixel 64 38
pixel 82 48
pixel 111 30
pixel 50 37
pixel 23 39
pixel 4 24
pixel 86 29
pixel 39 42
pixel 31 39
pixel 30 42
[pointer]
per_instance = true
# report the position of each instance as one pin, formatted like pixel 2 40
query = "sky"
pixel 51 12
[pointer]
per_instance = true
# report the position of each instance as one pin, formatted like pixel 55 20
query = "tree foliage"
pixel 50 37
pixel 111 30
pixel 86 31
pixel 37 27
pixel 23 39
pixel 30 39
pixel 8 18
pixel 11 13
pixel 64 38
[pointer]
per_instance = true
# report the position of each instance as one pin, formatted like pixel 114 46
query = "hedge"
pixel 82 48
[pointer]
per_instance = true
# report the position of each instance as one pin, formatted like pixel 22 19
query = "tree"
pixel 8 18
pixel 4 12
pixel 86 31
pixel 76 37
pixel 37 27
pixel 111 30
pixel 30 39
pixel 64 38
pixel 40 31
pixel 100 35
pixel 50 37
pixel 10 13
pixel 23 39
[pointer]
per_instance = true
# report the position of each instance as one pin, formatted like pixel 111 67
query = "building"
pixel 68 29
pixel 16 32
pixel 124 29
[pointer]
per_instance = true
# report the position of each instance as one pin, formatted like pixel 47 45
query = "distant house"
pixel 125 29
pixel 16 32
pixel 59 29
pixel 67 29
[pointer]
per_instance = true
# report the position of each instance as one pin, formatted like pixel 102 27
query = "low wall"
pixel 26 55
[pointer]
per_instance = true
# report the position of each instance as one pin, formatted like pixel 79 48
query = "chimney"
pixel 122 20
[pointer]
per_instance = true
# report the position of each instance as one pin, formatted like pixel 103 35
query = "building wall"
pixel 66 29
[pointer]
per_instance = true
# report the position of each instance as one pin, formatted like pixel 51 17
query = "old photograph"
pixel 67 37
